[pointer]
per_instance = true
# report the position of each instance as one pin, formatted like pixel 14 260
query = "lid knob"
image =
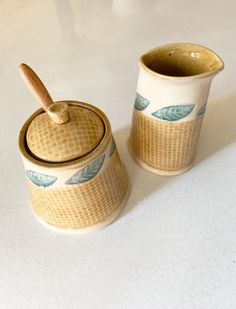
pixel 58 112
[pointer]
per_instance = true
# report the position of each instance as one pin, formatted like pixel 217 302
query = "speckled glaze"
pixel 172 92
pixel 78 195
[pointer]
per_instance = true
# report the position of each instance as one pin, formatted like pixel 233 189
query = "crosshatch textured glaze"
pixel 172 92
pixel 78 195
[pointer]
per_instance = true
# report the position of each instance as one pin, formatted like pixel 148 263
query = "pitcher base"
pixel 155 170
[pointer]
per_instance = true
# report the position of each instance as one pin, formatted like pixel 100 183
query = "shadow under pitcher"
pixel 172 91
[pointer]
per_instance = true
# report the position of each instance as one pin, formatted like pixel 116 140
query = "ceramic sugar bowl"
pixel 76 179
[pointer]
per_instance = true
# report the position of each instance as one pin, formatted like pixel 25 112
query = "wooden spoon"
pixel 59 112
pixel 36 86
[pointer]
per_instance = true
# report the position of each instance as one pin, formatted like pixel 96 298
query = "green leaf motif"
pixel 113 146
pixel 87 173
pixel 141 103
pixel 174 113
pixel 41 180
pixel 202 110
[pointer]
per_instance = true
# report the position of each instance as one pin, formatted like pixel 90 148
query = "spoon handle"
pixel 36 86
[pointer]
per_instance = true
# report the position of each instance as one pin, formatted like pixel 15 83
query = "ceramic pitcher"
pixel 172 91
pixel 77 182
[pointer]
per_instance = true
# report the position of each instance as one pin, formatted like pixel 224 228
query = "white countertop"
pixel 174 246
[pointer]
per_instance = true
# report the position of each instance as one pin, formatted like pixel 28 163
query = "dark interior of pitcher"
pixel 181 60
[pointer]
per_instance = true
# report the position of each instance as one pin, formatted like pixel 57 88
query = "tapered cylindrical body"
pixel 76 180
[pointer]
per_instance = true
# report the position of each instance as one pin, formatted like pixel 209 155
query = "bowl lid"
pixel 65 132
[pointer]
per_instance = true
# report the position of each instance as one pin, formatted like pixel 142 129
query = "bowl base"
pixel 91 228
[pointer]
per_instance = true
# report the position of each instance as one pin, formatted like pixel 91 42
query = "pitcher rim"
pixel 212 72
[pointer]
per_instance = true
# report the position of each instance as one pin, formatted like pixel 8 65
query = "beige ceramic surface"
pixel 85 193
pixel 88 229
pixel 85 205
pixel 172 93
pixel 164 147
pixel 182 60
pixel 54 142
